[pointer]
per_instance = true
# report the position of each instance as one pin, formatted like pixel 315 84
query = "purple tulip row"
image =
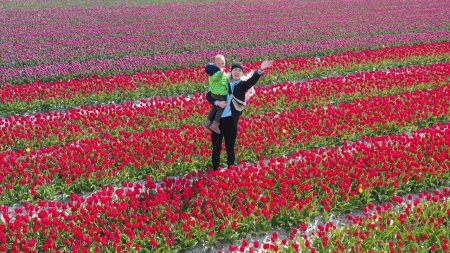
pixel 109 41
pixel 54 42
pixel 185 58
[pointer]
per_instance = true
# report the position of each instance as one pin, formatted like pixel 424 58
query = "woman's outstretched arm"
pixel 256 75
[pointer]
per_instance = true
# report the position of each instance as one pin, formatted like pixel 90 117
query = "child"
pixel 218 85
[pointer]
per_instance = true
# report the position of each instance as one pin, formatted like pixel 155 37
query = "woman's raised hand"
pixel 266 64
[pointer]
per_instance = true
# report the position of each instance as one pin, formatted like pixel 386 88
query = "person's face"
pixel 220 63
pixel 236 73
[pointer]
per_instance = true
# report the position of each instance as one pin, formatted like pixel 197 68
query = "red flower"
pixel 233 248
pixel 303 227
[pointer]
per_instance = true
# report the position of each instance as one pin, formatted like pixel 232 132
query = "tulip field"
pixel 344 148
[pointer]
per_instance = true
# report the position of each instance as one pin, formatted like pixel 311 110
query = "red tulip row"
pixel 89 163
pixel 279 192
pixel 419 224
pixel 38 130
pixel 38 94
pixel 273 132
pixel 343 88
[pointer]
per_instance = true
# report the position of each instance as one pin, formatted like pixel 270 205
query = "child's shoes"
pixel 215 127
pixel 206 124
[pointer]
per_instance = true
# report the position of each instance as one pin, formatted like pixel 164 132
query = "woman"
pixel 232 111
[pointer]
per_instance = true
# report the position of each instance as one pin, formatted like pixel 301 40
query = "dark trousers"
pixel 216 112
pixel 228 131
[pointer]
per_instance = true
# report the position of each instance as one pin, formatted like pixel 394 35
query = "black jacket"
pixel 239 93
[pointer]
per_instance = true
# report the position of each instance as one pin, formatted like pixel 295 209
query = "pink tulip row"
pixel 419 224
pixel 280 191
pixel 160 80
pixel 59 43
pixel 83 164
pixel 107 36
pixel 93 121
pixel 106 21
pixel 133 63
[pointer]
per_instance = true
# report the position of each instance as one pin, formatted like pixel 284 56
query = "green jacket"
pixel 218 83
